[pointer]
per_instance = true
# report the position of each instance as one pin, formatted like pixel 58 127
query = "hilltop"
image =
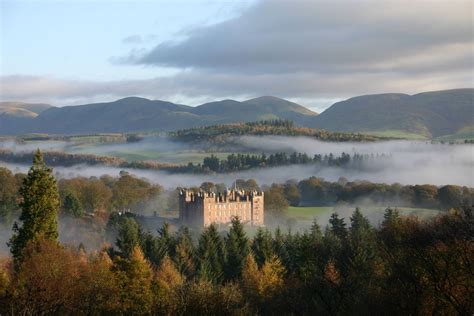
pixel 426 115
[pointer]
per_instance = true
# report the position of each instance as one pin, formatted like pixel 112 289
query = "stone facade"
pixel 205 208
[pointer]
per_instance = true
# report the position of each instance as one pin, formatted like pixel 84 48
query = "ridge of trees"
pixel 219 134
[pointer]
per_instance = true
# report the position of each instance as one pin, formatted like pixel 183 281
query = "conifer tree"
pixel 40 204
pixel 211 255
pixel 237 246
pixel 72 205
pixel 166 286
pixel 338 226
pixel 185 253
pixel 135 278
pixel 128 236
pixel 262 247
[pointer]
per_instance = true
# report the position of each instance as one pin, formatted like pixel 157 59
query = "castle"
pixel 205 208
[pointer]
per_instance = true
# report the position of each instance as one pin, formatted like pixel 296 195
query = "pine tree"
pixel 262 246
pixel 338 226
pixel 237 246
pixel 128 236
pixel 72 205
pixel 185 253
pixel 39 206
pixel 212 255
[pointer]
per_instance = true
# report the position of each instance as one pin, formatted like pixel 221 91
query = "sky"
pixel 67 52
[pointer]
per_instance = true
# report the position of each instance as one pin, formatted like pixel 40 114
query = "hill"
pixel 15 116
pixel 139 114
pixel 442 114
pixel 428 115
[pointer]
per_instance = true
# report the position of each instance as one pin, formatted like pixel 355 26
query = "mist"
pixel 405 162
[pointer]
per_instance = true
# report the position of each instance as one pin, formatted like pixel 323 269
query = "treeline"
pixel 219 134
pixel 238 162
pixel 101 195
pixel 82 196
pixel 233 162
pixel 405 267
pixel 63 159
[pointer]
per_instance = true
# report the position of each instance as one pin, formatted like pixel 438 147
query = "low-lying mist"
pixel 406 162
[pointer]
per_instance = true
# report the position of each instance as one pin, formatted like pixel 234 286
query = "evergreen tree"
pixel 39 206
pixel 262 246
pixel 237 246
pixel 72 205
pixel 391 216
pixel 211 255
pixel 185 253
pixel 338 226
pixel 128 236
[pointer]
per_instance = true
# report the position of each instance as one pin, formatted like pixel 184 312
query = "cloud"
pixel 300 50
pixel 337 37
pixel 133 39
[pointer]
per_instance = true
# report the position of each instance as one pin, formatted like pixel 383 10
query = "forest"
pixel 405 266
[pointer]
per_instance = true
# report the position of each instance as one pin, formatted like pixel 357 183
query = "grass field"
pixel 311 212
pixel 132 154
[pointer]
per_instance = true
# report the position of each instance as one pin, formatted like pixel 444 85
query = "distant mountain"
pixel 431 114
pixel 15 116
pixel 139 114
pixel 36 108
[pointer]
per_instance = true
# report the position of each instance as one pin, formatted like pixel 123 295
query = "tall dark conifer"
pixel 237 246
pixel 212 255
pixel 40 205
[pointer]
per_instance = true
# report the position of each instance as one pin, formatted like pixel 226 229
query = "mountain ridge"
pixel 427 114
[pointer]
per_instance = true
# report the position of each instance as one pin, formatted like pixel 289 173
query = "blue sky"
pixel 79 39
pixel 190 51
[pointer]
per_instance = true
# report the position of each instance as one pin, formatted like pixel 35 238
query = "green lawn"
pixel 310 212
pixel 131 154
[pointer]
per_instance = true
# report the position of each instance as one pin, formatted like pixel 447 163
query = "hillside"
pixel 139 114
pixel 429 114
pixel 442 114
pixel 16 116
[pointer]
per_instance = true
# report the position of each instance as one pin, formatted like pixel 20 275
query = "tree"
pixel 72 205
pixel 275 202
pixel 292 193
pixel 272 278
pixel 8 195
pixel 237 246
pixel 166 287
pixel 211 255
pixel 46 280
pixel 135 279
pixel 262 246
pixel 185 253
pixel 338 226
pixel 99 286
pixel 128 236
pixel 39 208
pixel 450 196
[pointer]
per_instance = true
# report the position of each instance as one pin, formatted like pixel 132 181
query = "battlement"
pixel 203 208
